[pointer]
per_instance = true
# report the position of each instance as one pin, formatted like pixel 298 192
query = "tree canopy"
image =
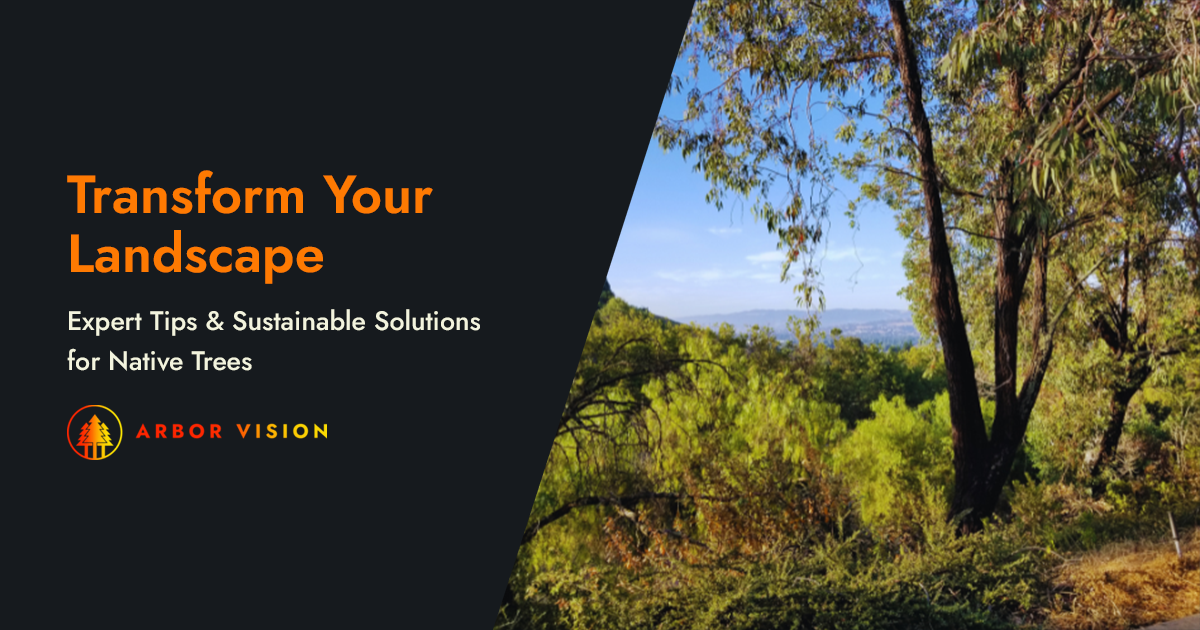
pixel 1001 133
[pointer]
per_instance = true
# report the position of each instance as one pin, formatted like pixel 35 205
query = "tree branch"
pixel 1081 62
pixel 616 501
pixel 867 56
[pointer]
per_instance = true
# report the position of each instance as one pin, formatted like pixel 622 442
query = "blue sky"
pixel 679 256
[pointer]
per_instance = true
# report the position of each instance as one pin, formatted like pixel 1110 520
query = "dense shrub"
pixel 898 463
pixel 984 581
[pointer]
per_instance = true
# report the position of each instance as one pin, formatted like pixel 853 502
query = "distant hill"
pixel 887 327
pixel 606 294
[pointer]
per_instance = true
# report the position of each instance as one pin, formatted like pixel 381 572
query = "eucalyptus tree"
pixel 1141 310
pixel 974 122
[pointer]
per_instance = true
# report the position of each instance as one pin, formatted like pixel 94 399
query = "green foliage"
pixel 977 582
pixel 1067 518
pixel 1174 397
pixel 706 478
pixel 896 461
pixel 854 375
pixel 1070 413
pixel 1135 330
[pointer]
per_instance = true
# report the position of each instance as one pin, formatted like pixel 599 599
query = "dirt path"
pixel 1187 623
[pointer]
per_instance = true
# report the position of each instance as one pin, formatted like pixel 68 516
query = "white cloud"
pixel 766 257
pixel 839 254
pixel 725 231
pixel 659 234
pixel 698 275
pixel 856 254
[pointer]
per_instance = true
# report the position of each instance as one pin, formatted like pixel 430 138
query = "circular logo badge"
pixel 94 432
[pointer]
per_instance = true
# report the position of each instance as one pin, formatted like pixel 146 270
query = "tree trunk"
pixel 968 433
pixel 1117 407
pixel 981 464
pixel 1136 375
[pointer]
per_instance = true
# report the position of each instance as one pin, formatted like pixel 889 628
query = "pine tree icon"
pixel 94 433
pixel 107 440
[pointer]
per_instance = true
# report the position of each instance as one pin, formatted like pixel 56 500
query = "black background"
pixel 528 121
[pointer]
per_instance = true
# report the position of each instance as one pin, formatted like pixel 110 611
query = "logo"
pixel 94 432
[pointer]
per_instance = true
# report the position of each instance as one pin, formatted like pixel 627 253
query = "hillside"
pixel 702 480
pixel 882 326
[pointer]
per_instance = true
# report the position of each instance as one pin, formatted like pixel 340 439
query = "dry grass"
pixel 1128 585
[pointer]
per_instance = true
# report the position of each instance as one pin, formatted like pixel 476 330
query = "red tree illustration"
pixel 94 434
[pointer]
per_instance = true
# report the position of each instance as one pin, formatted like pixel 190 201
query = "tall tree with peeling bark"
pixel 974 122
